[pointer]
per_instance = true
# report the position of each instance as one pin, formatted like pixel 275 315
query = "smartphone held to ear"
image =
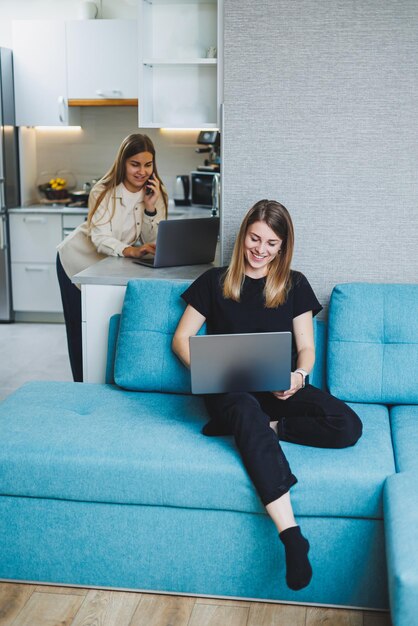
pixel 149 190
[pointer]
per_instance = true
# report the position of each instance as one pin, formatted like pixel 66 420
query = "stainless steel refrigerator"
pixel 9 177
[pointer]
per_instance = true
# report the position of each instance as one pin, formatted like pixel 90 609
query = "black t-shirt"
pixel 250 315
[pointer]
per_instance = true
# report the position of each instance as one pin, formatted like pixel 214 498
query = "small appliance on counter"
pixel 182 190
pixel 211 139
pixel 205 180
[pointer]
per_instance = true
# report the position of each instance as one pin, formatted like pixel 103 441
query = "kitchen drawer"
pixel 34 237
pixel 35 287
pixel 72 221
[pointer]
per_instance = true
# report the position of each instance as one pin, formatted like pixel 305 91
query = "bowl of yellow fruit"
pixel 56 189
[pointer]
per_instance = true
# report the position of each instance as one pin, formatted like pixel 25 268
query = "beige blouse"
pixel 109 234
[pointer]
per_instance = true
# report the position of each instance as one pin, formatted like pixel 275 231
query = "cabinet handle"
pixel 38 220
pixel 113 93
pixel 36 268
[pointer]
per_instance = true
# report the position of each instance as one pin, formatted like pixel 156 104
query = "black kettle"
pixel 182 190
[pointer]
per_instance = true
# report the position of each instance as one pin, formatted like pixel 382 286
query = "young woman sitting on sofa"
pixel 258 292
pixel 125 208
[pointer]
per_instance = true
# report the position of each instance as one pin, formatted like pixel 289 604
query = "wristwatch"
pixel 305 376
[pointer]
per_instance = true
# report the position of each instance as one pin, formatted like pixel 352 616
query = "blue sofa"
pixel 114 485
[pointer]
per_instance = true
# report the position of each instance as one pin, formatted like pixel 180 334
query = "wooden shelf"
pixel 180 61
pixel 105 102
pixel 203 126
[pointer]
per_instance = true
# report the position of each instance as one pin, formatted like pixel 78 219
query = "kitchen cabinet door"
pixel 102 59
pixel 39 59
pixel 35 288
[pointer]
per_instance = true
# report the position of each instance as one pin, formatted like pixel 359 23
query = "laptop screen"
pixel 185 242
pixel 240 362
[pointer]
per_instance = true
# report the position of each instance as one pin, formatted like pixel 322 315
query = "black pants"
pixel 71 303
pixel 310 417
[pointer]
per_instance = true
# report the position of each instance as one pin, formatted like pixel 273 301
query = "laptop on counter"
pixel 184 242
pixel 240 362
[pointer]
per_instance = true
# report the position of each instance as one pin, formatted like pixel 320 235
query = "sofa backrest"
pixel 139 344
pixel 372 353
pixel 144 360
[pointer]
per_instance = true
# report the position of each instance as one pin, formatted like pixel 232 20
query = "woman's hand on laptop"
pixel 295 385
pixel 136 252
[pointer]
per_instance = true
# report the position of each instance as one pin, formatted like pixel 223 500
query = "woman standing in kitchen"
pixel 259 293
pixel 125 208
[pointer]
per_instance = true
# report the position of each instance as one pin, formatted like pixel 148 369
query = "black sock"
pixel 298 568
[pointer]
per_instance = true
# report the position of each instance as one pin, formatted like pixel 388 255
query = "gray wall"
pixel 321 114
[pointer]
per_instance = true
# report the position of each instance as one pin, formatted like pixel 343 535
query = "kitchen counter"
pixel 103 287
pixel 50 209
pixel 118 271
pixel 174 212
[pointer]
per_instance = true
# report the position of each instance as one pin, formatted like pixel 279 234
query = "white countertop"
pixel 174 212
pixel 50 209
pixel 118 271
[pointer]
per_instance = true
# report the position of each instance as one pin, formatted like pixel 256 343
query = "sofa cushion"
pixel 102 444
pixel 373 343
pixel 401 533
pixel 144 359
pixel 404 424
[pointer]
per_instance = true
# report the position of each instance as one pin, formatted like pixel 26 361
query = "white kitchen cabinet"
pixel 102 59
pixel 180 83
pixel 40 74
pixel 33 241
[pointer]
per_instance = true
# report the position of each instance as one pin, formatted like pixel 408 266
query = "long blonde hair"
pixel 131 145
pixel 277 217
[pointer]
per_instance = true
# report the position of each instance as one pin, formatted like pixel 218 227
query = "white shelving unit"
pixel 178 84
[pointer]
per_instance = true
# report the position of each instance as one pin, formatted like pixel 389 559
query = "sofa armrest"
pixel 401 533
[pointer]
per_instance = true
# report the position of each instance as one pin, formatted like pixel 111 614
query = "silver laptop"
pixel 184 242
pixel 241 362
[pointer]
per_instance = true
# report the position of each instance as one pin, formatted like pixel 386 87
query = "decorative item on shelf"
pixel 88 10
pixel 211 52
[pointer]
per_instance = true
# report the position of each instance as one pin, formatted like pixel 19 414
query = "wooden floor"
pixel 35 605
